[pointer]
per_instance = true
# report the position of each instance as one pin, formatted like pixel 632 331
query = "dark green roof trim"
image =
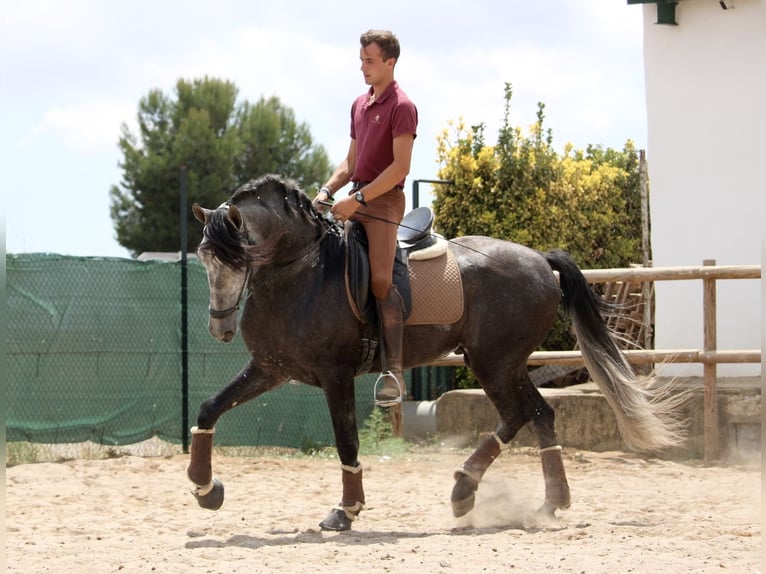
pixel 666 10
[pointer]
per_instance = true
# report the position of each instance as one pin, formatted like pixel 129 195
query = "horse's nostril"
pixel 227 336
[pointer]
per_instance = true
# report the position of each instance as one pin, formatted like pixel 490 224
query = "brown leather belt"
pixel 360 184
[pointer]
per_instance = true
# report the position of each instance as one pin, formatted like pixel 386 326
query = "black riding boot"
pixel 390 387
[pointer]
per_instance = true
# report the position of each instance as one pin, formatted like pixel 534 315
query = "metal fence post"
pixel 184 319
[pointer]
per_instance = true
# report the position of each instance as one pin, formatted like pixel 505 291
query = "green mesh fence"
pixel 94 353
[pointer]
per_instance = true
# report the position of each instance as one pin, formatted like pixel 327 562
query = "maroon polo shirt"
pixel 374 127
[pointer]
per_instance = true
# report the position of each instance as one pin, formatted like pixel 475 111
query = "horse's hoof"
pixel 463 507
pixel 463 494
pixel 336 520
pixel 213 499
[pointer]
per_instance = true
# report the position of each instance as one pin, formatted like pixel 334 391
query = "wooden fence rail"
pixel 637 357
pixel 709 356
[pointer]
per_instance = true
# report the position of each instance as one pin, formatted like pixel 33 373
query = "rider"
pixel 383 130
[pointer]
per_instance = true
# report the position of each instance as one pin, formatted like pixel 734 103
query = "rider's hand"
pixel 323 194
pixel 344 207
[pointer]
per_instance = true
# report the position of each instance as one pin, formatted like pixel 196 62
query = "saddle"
pixel 425 272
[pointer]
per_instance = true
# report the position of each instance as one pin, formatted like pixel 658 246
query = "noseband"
pixel 216 314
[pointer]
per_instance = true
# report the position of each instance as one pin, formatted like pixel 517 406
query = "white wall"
pixel 705 103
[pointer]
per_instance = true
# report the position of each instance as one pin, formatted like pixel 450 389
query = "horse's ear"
pixel 200 214
pixel 235 216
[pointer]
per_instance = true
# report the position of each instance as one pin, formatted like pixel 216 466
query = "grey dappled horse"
pixel 268 244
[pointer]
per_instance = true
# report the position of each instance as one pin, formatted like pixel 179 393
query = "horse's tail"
pixel 647 418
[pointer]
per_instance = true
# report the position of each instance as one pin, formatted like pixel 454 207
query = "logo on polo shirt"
pixel 376 119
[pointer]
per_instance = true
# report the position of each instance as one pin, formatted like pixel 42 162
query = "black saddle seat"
pixel 415 227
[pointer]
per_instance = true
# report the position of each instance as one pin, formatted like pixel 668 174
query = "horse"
pixel 269 246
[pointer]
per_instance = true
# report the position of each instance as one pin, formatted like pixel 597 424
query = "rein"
pixel 305 252
pixel 431 233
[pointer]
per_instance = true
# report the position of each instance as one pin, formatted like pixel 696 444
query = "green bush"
pixel 586 202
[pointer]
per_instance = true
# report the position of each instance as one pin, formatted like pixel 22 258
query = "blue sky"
pixel 72 72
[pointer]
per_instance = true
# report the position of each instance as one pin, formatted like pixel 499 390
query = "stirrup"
pixel 387 402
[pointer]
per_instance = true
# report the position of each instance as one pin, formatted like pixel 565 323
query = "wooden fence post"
pixel 646 287
pixel 710 368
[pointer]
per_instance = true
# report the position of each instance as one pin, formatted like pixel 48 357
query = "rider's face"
pixel 375 70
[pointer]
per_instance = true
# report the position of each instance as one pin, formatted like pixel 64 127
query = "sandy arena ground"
pixel 629 514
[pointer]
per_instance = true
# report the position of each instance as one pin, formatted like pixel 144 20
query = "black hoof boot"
pixel 463 495
pixel 336 520
pixel 213 499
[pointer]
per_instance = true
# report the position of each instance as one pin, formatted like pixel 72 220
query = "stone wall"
pixel 585 421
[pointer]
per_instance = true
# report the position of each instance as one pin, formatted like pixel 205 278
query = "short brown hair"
pixel 386 41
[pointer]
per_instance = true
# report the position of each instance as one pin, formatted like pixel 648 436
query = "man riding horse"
pixel 383 129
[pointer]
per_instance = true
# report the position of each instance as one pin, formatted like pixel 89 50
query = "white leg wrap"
pixel 196 430
pixel 468 472
pixel 203 490
pixel 352 469
pixel 555 447
pixel 351 511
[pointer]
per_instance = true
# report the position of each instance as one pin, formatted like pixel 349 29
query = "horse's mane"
pixel 296 202
pixel 231 246
pixel 225 241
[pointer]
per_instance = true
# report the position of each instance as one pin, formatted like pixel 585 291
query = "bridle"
pixel 302 256
pixel 223 313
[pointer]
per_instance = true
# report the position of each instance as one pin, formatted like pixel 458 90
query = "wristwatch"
pixel 359 196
